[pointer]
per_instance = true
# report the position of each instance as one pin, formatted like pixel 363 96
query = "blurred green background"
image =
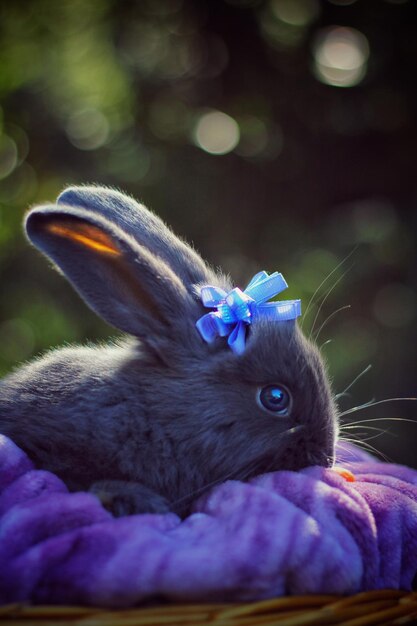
pixel 273 134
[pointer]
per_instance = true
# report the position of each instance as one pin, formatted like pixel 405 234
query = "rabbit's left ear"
pixel 120 279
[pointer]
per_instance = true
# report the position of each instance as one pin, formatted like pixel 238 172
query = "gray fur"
pixel 150 422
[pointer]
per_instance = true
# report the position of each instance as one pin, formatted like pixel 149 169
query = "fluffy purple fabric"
pixel 281 533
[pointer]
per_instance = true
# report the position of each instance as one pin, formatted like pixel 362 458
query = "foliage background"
pixel 113 91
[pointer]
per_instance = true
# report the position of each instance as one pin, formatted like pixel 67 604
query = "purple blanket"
pixel 281 533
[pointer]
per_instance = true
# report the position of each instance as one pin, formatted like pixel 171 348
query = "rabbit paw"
pixel 128 498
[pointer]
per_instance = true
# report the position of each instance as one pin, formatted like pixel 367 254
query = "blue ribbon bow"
pixel 237 309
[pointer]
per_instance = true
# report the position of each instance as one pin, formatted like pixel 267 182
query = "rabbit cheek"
pixel 319 440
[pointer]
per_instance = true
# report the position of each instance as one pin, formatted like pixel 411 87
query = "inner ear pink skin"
pixel 85 234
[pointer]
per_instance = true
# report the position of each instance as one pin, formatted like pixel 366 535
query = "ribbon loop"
pixel 211 326
pixel 211 296
pixel 237 309
pixel 239 304
pixel 267 287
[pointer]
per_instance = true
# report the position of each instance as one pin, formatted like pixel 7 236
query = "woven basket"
pixel 384 608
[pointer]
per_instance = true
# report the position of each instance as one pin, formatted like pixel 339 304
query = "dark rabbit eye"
pixel 275 398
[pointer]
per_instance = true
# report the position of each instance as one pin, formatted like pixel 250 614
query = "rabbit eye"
pixel 275 398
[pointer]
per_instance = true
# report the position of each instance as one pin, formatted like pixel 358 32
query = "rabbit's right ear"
pixel 120 279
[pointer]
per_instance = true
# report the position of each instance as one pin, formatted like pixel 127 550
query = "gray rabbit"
pixel 151 421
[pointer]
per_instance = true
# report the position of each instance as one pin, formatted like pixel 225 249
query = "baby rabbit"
pixel 151 421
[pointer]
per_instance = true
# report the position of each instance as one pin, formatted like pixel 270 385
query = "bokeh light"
pixel 285 23
pixel 216 133
pixel 296 12
pixel 87 129
pixel 340 56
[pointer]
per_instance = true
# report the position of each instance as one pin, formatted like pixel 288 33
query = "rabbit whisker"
pixel 325 344
pixel 328 318
pixel 362 436
pixel 365 446
pixel 378 419
pixel 332 288
pixel 312 299
pixel 344 392
pixel 375 403
pixel 345 427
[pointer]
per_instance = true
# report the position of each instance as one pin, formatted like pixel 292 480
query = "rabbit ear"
pixel 144 226
pixel 120 279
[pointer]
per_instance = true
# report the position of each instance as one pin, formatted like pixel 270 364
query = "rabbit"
pixel 152 420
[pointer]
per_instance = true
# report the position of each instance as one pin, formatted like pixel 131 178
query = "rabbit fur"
pixel 150 421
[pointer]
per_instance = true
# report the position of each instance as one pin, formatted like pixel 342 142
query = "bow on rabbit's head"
pixel 237 309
